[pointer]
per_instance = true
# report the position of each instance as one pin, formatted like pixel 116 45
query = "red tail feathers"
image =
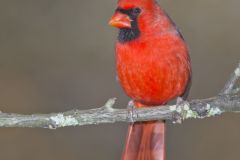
pixel 145 141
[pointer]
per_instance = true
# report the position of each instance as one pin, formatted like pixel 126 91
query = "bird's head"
pixel 129 11
pixel 133 17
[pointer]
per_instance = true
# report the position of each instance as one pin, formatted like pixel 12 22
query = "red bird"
pixel 153 67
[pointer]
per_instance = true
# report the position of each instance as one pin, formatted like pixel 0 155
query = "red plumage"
pixel 153 67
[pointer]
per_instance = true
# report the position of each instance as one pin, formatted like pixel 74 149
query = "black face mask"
pixel 128 34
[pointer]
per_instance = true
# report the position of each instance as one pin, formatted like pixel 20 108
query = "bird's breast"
pixel 150 74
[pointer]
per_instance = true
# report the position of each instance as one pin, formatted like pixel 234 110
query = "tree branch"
pixel 232 84
pixel 227 101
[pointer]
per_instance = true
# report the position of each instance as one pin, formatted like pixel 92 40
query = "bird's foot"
pixel 182 108
pixel 131 108
pixel 181 102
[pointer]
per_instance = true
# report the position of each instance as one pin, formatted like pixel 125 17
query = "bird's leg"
pixel 130 108
pixel 180 102
pixel 181 107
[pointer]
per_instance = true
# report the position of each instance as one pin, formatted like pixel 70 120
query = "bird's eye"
pixel 136 11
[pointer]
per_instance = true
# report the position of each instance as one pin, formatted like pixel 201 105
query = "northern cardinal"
pixel 153 67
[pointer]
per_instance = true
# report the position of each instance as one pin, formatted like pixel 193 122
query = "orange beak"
pixel 120 20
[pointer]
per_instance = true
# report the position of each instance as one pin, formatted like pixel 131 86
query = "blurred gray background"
pixel 57 55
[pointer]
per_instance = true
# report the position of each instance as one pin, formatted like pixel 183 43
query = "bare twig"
pixel 232 82
pixel 227 101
